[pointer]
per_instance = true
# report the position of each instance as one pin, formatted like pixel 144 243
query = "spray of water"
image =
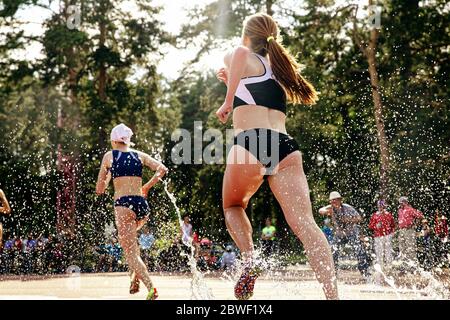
pixel 435 289
pixel 388 280
pixel 199 288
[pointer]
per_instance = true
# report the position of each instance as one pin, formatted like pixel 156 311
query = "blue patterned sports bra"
pixel 126 164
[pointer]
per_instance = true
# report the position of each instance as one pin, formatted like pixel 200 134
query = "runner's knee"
pixel 229 204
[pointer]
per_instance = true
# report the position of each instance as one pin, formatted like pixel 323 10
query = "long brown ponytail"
pixel 262 31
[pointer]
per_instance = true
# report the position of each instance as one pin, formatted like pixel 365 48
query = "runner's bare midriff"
pixel 253 116
pixel 127 186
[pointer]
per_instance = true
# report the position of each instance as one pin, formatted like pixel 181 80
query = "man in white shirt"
pixel 186 231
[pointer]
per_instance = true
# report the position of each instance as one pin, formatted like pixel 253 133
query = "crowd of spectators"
pixel 41 254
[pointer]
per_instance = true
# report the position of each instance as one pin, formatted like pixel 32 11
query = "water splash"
pixel 388 280
pixel 434 289
pixel 199 288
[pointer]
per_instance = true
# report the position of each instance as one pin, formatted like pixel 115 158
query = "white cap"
pixel 121 133
pixel 335 195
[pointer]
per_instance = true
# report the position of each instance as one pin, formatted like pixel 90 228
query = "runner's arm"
pixel 104 176
pixel 5 208
pixel 154 165
pixel 236 70
pixel 326 211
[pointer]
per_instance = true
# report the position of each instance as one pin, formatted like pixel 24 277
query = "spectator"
pixel 7 255
pixel 114 251
pixel 441 232
pixel 56 256
pixel 268 237
pixel 102 262
pixel 186 231
pixel 146 239
pixel 40 255
pixel 440 225
pixel 426 249
pixel 327 230
pixel 206 259
pixel 228 260
pixel 383 225
pixel 9 244
pixel 345 221
pixel 196 244
pixel 29 245
pixel 16 256
pixel 186 241
pixel 44 238
pixel 407 219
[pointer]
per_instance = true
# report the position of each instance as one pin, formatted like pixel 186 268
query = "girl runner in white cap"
pixel 131 209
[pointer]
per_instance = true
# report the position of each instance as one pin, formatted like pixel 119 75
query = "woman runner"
pixel 131 209
pixel 261 76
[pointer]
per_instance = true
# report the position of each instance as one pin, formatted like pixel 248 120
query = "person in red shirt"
pixel 441 232
pixel 407 219
pixel 196 244
pixel 440 225
pixel 383 225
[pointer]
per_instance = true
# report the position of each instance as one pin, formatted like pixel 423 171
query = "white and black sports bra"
pixel 263 90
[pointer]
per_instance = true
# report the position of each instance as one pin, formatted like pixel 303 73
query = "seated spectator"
pixel 328 230
pixel 17 258
pixel 6 264
pixel 8 245
pixel 206 259
pixel 40 252
pixel 426 247
pixel 228 260
pixel 29 246
pixel 56 256
pixel 114 255
pixel 102 262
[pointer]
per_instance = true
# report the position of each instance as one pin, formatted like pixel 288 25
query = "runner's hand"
pixel 224 112
pixel 222 75
pixel 144 192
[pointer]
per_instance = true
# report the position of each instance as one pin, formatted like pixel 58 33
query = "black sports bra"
pixel 261 90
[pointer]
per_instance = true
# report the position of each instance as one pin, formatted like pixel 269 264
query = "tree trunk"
pixel 269 4
pixel 369 52
pixel 67 164
pixel 102 80
pixel 102 71
pixel 378 112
